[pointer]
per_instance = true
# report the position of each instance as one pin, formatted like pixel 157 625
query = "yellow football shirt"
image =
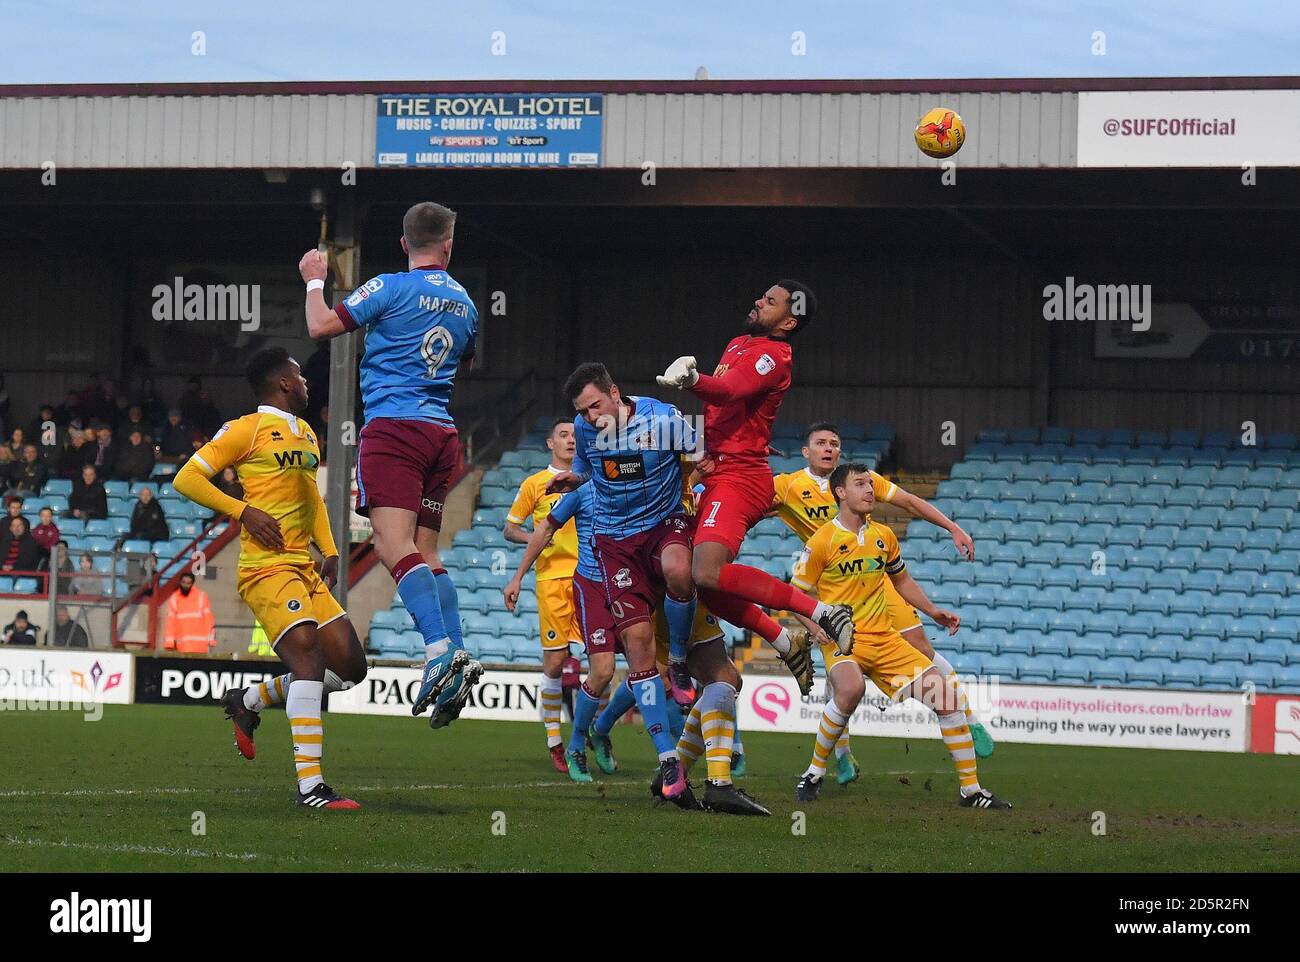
pixel 805 502
pixel 275 455
pixel 559 559
pixel 844 567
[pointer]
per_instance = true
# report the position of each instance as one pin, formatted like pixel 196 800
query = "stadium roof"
pixel 710 124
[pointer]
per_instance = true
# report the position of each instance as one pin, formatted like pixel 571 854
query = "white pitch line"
pixel 125 849
pixel 163 790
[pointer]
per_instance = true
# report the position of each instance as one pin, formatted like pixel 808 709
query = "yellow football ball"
pixel 940 133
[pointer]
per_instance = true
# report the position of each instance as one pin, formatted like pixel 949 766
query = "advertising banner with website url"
pixel 488 130
pixel 1047 715
pixel 35 678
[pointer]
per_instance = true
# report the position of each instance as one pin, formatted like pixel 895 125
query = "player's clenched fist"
pixel 680 374
pixel 314 266
pixel 510 594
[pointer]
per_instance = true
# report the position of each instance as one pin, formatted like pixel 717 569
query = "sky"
pixel 79 41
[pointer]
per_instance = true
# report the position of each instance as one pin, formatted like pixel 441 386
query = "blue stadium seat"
pixel 1270 651
pixel 1287 679
pixel 1036 669
pixel 1262 676
pixel 1150 671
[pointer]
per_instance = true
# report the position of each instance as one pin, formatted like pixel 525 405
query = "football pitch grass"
pixel 125 793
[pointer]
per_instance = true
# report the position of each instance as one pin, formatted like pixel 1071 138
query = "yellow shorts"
pixel 287 595
pixel 884 657
pixel 557 614
pixel 902 616
pixel 705 628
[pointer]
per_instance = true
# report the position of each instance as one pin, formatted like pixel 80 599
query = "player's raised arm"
pixel 920 508
pixel 322 320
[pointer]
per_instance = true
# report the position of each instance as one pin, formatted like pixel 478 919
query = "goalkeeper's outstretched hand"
pixel 680 374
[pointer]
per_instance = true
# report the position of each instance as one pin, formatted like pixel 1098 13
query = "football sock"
pixel 268 693
pixel 690 745
pixel 648 690
pixel 273 692
pixel 303 708
pixel 761 588
pixel 620 703
pixel 842 744
pixel 552 699
pixel 829 728
pixel 450 606
pixel 742 614
pixel 956 736
pixel 419 591
pixel 950 673
pixel 736 747
pixel 675 719
pixel 585 705
pixel 604 698
pixel 680 616
pixel 717 706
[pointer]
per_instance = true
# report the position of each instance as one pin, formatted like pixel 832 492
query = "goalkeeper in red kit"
pixel 741 399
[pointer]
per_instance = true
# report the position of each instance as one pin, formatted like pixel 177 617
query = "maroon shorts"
pixel 731 503
pixel 406 464
pixel 631 570
pixel 599 634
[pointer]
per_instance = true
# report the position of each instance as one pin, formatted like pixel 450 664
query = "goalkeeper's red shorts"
pixel 733 501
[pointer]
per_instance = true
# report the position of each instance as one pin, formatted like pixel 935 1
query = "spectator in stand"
pixel 46 533
pixel 135 421
pixel 67 633
pixel 106 453
pixel 20 631
pixel 36 426
pixel 17 438
pixel 69 410
pixel 7 463
pixel 150 404
pixel 29 475
pixel 19 551
pixel 103 404
pixel 14 508
pixel 177 441
pixel 88 499
pixel 189 625
pixel 88 581
pixel 135 459
pixel 62 564
pixel 227 482
pixel 148 521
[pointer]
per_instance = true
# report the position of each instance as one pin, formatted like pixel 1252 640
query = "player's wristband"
pixel 315 284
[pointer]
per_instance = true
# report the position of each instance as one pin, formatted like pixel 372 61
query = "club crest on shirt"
pixel 880 544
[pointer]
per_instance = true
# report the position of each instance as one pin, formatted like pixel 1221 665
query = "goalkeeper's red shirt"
pixel 741 399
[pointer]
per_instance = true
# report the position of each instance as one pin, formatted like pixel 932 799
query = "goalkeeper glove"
pixel 680 374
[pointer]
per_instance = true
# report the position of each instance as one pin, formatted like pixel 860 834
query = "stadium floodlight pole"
pixel 341 432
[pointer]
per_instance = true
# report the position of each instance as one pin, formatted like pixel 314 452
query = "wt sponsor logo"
pixel 770 702
pixel 75 915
